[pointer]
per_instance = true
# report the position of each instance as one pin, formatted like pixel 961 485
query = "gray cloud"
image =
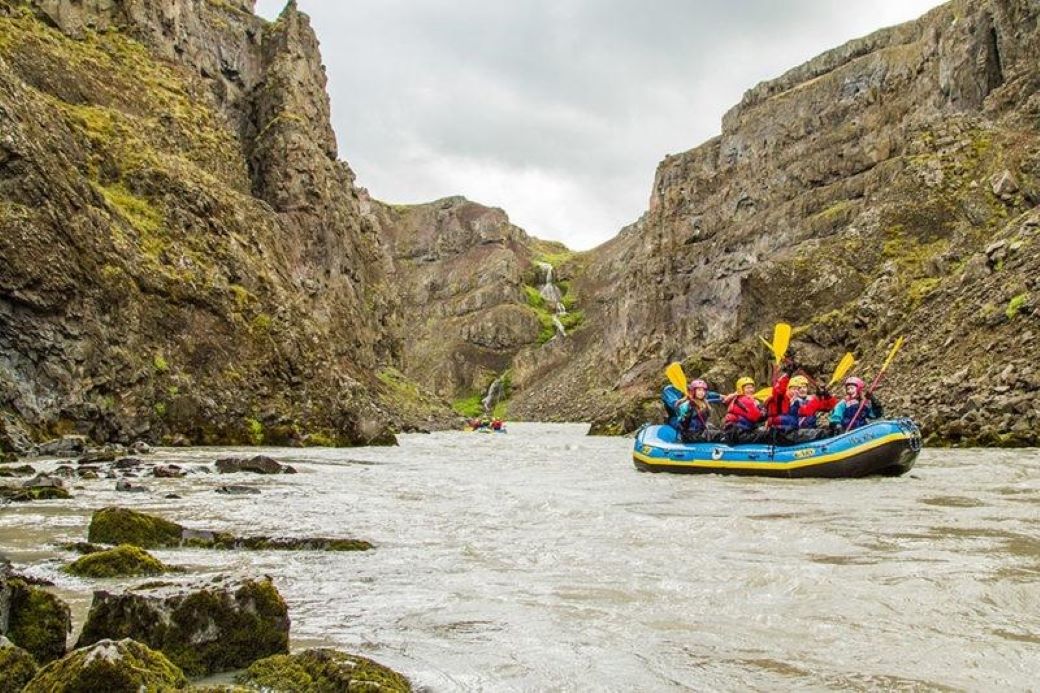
pixel 555 110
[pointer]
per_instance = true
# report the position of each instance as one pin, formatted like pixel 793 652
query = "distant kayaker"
pixel 849 413
pixel 744 413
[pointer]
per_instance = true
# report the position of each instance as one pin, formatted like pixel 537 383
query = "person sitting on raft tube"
pixel 842 417
pixel 692 413
pixel 803 408
pixel 744 413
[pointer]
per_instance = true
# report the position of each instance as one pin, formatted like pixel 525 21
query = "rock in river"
pixel 122 666
pixel 205 628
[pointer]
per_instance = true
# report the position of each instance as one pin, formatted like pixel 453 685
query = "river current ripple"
pixel 542 560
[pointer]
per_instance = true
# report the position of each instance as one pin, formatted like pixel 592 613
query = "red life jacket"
pixel 743 412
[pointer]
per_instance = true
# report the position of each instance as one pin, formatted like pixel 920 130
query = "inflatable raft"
pixel 887 448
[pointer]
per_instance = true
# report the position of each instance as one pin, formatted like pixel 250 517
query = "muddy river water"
pixel 542 560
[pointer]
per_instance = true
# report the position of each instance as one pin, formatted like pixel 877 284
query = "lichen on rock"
pixel 35 620
pixel 322 671
pixel 205 628
pixel 17 667
pixel 110 666
pixel 122 561
pixel 122 526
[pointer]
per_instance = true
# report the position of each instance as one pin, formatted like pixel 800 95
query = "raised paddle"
pixel 676 377
pixel 847 361
pixel 877 379
pixel 781 340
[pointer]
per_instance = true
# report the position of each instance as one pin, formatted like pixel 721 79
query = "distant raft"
pixel 886 448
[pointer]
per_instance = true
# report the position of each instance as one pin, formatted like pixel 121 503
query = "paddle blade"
pixel 781 339
pixel 847 361
pixel 892 354
pixel 675 376
pixel 764 394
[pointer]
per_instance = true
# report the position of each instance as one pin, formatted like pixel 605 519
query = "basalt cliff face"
pixel 183 255
pixel 471 287
pixel 888 187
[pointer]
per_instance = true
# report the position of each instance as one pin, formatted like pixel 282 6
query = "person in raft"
pixel 799 423
pixel 692 414
pixel 849 413
pixel 744 413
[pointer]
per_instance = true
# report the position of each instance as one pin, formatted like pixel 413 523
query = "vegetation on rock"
pixel 122 526
pixel 208 628
pixel 322 671
pixel 123 666
pixel 17 667
pixel 38 621
pixel 122 561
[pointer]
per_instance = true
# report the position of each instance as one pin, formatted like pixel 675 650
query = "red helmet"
pixel 697 383
pixel 853 380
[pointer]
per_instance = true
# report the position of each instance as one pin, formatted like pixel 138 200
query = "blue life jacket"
pixel 672 398
pixel 851 407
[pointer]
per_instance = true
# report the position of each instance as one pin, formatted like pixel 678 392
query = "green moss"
pixel 25 495
pixel 39 621
pixel 122 526
pixel 123 561
pixel 534 298
pixel 921 288
pixel 125 666
pixel 17 667
pixel 471 406
pixel 1015 305
pixel 160 408
pixel 322 671
pixel 256 431
pixel 262 323
pixel 160 363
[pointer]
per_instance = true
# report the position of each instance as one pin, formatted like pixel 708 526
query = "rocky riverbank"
pixel 172 628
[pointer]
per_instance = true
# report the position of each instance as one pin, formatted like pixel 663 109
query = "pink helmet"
pixel 697 383
pixel 853 380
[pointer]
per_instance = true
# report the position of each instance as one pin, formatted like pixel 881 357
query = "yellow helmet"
pixel 799 381
pixel 741 382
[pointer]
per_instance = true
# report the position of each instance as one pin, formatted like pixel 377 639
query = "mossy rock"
pixel 123 561
pixel 204 629
pixel 122 526
pixel 39 622
pixel 17 667
pixel 322 671
pixel 110 666
pixel 25 495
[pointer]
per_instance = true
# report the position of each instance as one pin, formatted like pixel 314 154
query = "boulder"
pixel 122 666
pixel 128 463
pixel 322 670
pixel 97 455
pixel 21 494
pixel 141 448
pixel 122 526
pixel 32 618
pixel 64 447
pixel 24 470
pixel 122 561
pixel 234 490
pixel 215 626
pixel 260 464
pixel 17 667
pixel 169 471
pixel 126 486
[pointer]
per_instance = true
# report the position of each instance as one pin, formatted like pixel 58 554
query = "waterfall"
pixel 494 394
pixel 550 293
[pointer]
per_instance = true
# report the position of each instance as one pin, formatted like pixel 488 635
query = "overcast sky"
pixel 557 111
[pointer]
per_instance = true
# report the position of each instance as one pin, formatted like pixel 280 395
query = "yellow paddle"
pixel 764 394
pixel 877 379
pixel 847 361
pixel 781 339
pixel 676 377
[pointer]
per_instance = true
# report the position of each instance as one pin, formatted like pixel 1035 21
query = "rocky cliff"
pixel 888 187
pixel 183 255
pixel 473 294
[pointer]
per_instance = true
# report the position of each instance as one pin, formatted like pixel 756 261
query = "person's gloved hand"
pixel 822 392
pixel 875 404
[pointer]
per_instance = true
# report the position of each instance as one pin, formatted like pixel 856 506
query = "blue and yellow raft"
pixel 888 448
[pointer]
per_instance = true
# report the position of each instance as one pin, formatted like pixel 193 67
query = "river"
pixel 542 560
